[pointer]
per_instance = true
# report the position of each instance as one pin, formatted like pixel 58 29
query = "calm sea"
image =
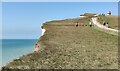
pixel 14 48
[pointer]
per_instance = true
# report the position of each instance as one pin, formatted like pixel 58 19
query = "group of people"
pixel 105 23
pixel 90 23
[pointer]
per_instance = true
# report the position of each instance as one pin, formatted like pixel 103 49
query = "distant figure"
pixel 77 24
pixel 107 24
pixel 104 23
pixel 90 23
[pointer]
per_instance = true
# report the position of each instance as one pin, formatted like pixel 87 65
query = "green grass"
pixel 70 47
pixel 68 22
pixel 112 20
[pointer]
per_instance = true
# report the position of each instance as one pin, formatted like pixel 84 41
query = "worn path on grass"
pixel 65 46
pixel 96 23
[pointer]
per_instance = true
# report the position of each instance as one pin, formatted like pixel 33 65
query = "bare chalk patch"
pixel 37 45
pixel 43 31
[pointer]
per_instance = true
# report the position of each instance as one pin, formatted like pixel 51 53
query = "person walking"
pixel 90 23
pixel 77 24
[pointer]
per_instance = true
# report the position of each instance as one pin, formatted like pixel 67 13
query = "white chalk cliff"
pixel 37 46
pixel 43 31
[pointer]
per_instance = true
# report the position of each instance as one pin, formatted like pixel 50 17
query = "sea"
pixel 15 48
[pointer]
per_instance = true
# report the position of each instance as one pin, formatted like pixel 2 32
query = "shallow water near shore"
pixel 15 48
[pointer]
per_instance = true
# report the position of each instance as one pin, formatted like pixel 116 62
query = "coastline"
pixel 65 46
pixel 37 46
pixel 16 50
pixel 43 31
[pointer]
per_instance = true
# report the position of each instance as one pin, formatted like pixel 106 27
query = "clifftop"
pixel 65 46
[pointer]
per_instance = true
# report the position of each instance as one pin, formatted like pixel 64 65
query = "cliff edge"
pixel 67 46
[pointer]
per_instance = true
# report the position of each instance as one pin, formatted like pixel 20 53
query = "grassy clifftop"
pixel 112 21
pixel 64 46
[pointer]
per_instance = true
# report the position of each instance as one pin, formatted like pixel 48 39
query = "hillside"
pixel 65 46
pixel 112 21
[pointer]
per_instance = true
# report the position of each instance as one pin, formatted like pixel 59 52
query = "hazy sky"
pixel 59 0
pixel 0 34
pixel 22 20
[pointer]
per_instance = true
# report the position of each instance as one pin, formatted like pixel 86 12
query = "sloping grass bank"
pixel 112 21
pixel 65 46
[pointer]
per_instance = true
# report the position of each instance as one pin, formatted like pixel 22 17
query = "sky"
pixel 59 0
pixel 0 20
pixel 22 20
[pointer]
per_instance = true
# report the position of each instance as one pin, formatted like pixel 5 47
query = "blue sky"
pixel 0 34
pixel 59 0
pixel 22 20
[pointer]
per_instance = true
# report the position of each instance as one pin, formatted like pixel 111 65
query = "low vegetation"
pixel 65 46
pixel 112 21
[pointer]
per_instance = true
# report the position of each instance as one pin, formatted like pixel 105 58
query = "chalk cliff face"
pixel 43 31
pixel 37 46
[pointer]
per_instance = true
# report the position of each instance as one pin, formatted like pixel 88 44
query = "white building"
pixel 109 13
